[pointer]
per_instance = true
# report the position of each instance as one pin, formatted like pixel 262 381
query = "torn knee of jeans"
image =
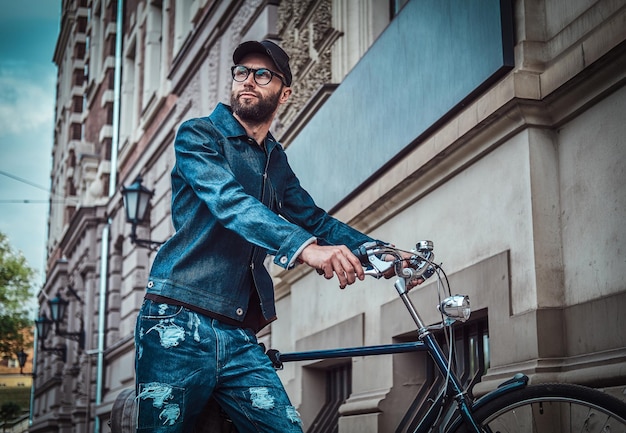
pixel 164 397
pixel 261 398
pixel 169 414
pixel 157 392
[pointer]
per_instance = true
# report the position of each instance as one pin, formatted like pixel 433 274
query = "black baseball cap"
pixel 270 49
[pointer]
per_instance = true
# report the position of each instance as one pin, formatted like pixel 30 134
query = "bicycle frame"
pixel 465 405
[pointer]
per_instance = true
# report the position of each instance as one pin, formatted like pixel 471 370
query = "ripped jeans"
pixel 182 358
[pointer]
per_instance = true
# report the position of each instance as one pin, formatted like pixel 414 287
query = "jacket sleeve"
pixel 299 207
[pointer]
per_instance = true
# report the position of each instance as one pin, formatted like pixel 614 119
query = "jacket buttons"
pixel 239 311
pixel 283 260
pixel 150 284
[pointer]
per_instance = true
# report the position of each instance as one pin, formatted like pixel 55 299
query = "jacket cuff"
pixel 290 251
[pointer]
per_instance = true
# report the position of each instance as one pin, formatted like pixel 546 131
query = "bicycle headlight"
pixel 456 307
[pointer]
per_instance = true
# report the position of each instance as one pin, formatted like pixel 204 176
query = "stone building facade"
pixel 515 175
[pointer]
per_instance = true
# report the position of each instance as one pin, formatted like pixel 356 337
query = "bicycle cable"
pixel 449 341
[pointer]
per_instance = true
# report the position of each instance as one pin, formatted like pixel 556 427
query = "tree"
pixel 9 411
pixel 16 290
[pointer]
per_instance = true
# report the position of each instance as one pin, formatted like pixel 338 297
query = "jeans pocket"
pixel 167 321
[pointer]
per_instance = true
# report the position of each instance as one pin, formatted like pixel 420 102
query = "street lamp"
pixel 136 200
pixel 44 325
pixel 58 306
pixel 21 359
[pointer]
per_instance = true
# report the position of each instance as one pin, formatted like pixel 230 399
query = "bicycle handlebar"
pixel 374 257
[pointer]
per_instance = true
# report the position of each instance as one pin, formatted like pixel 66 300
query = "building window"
pixel 111 11
pixel 76 131
pixel 471 341
pixel 152 65
pixel 109 112
pixel 110 79
pixel 81 24
pixel 338 389
pixel 111 45
pixel 128 115
pixel 95 43
pixel 70 210
pixel 77 104
pixel 70 189
pixel 79 77
pixel 80 50
pixel 182 24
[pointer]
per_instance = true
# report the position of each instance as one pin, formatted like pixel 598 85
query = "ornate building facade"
pixel 494 129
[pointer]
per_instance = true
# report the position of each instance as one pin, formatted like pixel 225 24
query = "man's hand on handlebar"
pixel 339 260
pixel 333 260
pixel 385 260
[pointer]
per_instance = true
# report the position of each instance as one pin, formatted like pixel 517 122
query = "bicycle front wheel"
pixel 544 408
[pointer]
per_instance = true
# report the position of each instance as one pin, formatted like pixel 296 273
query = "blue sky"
pixel 28 34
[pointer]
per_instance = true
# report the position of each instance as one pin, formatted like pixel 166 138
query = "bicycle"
pixel 515 406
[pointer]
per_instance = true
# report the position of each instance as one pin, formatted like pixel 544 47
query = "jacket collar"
pixel 223 119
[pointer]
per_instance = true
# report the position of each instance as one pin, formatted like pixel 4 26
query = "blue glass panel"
pixel 432 58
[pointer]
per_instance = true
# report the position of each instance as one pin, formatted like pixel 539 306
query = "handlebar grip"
pixel 361 254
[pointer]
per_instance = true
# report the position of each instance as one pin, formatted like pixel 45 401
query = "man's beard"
pixel 260 112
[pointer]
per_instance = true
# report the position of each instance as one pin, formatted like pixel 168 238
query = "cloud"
pixel 28 35
pixel 26 98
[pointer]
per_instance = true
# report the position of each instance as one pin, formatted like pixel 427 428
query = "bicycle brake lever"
pixel 379 267
pixel 374 266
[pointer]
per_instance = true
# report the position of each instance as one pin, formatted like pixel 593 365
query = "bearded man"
pixel 235 200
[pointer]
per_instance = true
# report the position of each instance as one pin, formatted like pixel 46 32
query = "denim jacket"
pixel 233 203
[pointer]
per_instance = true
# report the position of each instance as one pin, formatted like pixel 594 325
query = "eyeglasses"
pixel 261 76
